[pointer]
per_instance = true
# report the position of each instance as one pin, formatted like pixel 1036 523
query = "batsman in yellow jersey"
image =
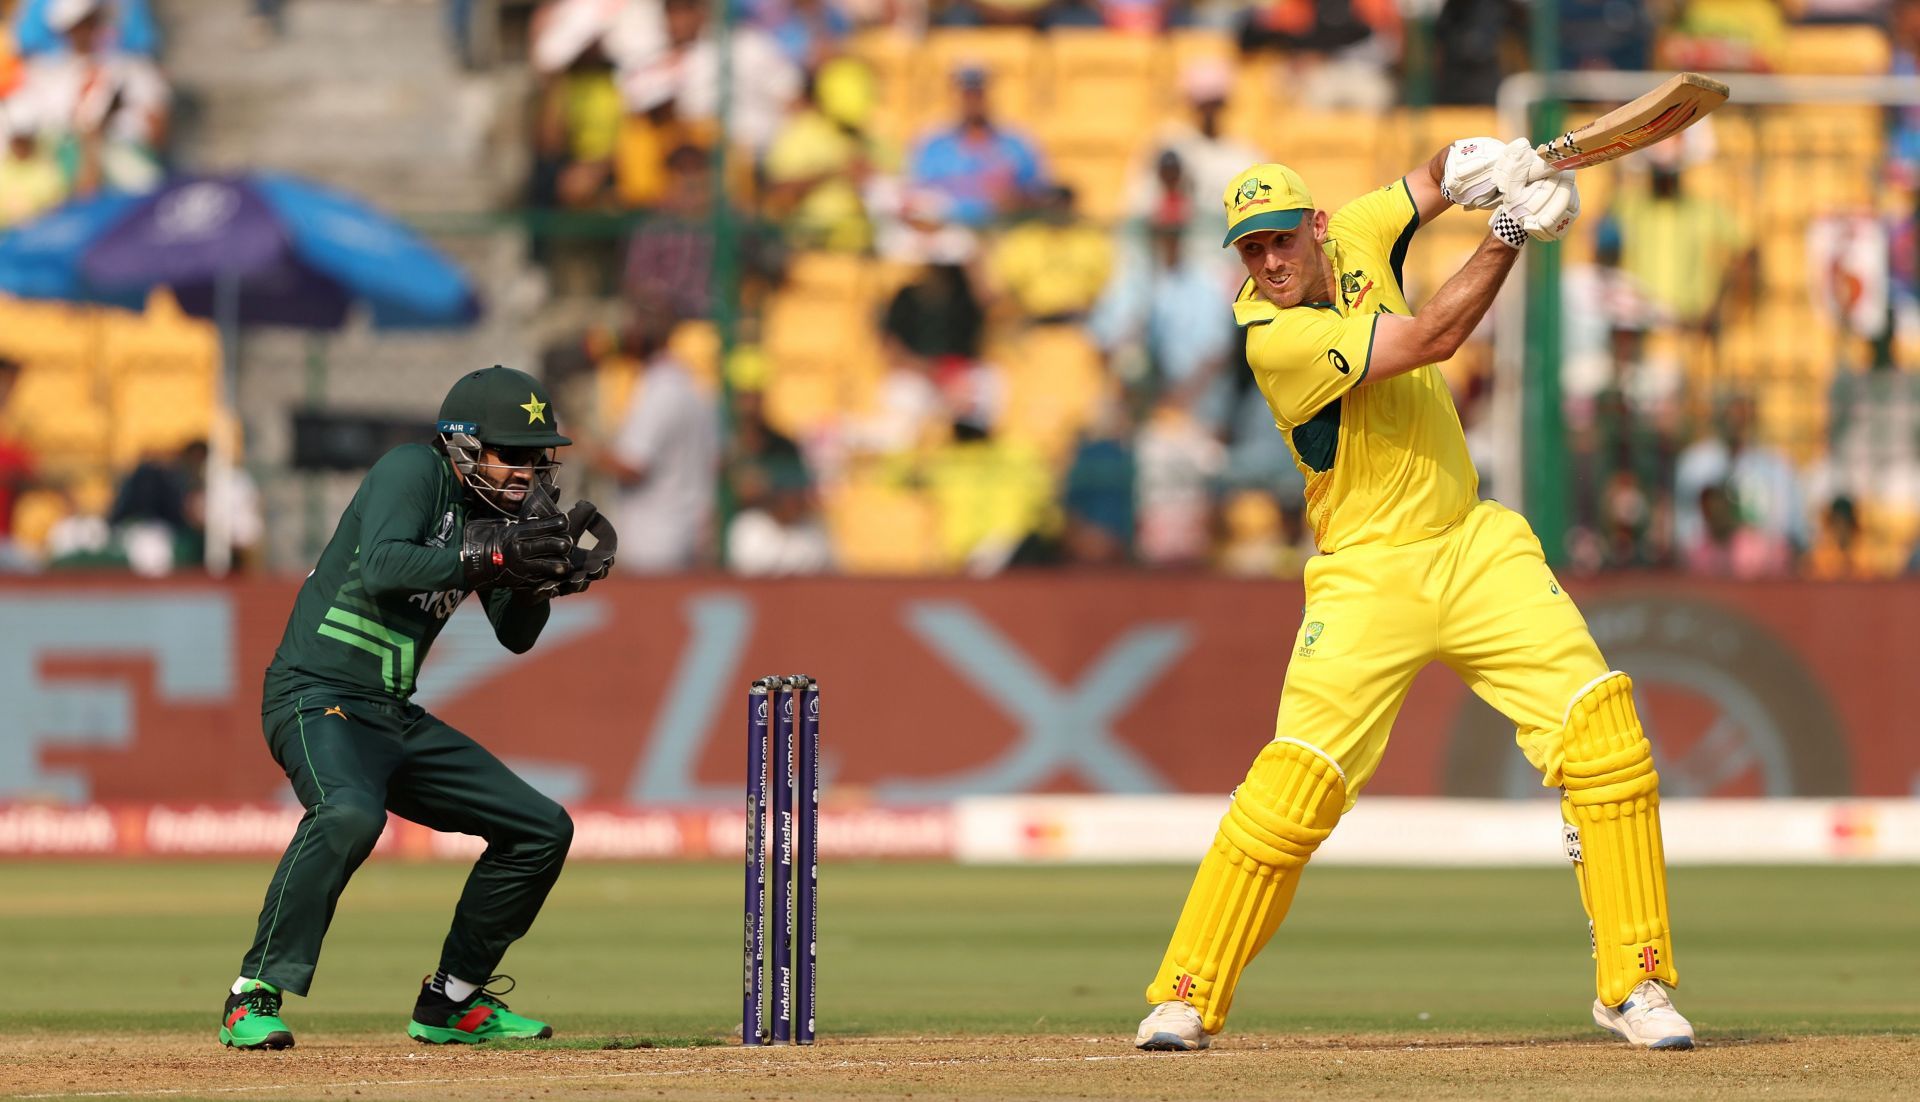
pixel 1414 568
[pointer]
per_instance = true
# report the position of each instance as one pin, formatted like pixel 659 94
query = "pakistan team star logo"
pixel 536 409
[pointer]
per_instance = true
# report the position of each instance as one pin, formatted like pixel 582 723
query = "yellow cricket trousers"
pixel 1480 598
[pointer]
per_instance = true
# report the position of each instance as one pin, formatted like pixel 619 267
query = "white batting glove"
pixel 1469 180
pixel 1516 167
pixel 1547 208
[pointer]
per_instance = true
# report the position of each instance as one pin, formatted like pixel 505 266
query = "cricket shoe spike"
pixel 1647 1019
pixel 481 1016
pixel 252 1019
pixel 1172 1027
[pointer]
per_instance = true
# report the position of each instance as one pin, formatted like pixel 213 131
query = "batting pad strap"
pixel 1613 799
pixel 1288 804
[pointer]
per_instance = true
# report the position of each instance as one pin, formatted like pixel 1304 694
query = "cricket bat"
pixel 1682 100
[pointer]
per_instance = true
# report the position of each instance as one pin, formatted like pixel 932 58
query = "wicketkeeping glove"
pixel 594 542
pixel 519 554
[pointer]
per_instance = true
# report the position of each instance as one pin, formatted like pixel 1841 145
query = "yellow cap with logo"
pixel 1265 197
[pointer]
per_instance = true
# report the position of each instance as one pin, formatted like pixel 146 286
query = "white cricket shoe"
pixel 1172 1027
pixel 1647 1019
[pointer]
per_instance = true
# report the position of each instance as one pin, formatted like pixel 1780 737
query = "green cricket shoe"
pixel 439 1020
pixel 252 1019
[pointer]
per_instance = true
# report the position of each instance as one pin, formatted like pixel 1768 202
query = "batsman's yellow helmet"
pixel 1265 197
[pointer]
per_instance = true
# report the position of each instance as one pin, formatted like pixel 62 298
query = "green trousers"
pixel 351 761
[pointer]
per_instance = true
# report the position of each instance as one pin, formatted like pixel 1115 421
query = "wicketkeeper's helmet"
pixel 510 412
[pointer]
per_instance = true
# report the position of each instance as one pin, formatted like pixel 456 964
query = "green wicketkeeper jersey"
pixel 385 585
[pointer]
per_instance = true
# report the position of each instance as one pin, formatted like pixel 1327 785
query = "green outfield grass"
pixel 652 951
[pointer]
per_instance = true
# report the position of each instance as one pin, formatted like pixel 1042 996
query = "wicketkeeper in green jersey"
pixel 471 512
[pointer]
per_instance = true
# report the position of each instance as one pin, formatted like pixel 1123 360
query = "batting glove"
pixel 1469 180
pixel 1551 206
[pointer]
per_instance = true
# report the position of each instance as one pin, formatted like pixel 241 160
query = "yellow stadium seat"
pixel 1853 50
pixel 1101 80
pixel 882 529
pixel 1345 135
pixel 59 415
pixel 1054 379
pixel 1097 174
pixel 50 336
pixel 844 277
pixel 188 399
pixel 1008 54
pixel 890 56
pixel 1334 179
pixel 1193 45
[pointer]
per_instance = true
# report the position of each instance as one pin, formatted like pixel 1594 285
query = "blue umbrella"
pixel 131 21
pixel 295 253
pixel 262 249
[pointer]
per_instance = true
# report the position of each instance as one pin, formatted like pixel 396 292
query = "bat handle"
pixel 1542 172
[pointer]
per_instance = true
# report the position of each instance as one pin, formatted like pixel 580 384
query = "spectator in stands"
pixel 1873 427
pixel 1903 153
pixel 1726 35
pixel 11 70
pixel 914 225
pixel 1842 552
pixel 130 27
pixel 935 316
pixel 1173 314
pixel 1688 251
pixel 1599 301
pixel 160 511
pixel 1262 537
pixel 580 108
pixel 1623 454
pixel 1053 266
pixel 679 47
pixel 30 180
pixel 1727 547
pixel 1476 45
pixel 808 32
pixel 780 534
pixel 666 459
pixel 669 266
pixel 1178 462
pixel 987 170
pixel 822 158
pixel 1760 480
pixel 1339 52
pixel 1099 497
pixel 757 456
pixel 991 495
pixel 1187 188
pixel 16 464
pixel 1606 34
pixel 108 111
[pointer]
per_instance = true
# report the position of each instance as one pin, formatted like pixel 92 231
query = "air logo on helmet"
pixel 536 409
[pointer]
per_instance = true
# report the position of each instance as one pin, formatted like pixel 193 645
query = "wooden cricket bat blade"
pixel 1681 100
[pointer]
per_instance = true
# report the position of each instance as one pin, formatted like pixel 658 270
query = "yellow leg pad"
pixel 1287 806
pixel 1613 798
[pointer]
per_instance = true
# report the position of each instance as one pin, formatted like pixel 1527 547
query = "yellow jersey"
pixel 1387 463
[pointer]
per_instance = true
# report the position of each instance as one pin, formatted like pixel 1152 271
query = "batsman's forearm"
pixel 1453 312
pixel 1437 164
pixel 517 621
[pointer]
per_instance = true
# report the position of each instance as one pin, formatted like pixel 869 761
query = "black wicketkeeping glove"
pixel 519 554
pixel 594 542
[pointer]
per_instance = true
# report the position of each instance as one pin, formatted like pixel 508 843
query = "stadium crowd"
pixel 983 314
